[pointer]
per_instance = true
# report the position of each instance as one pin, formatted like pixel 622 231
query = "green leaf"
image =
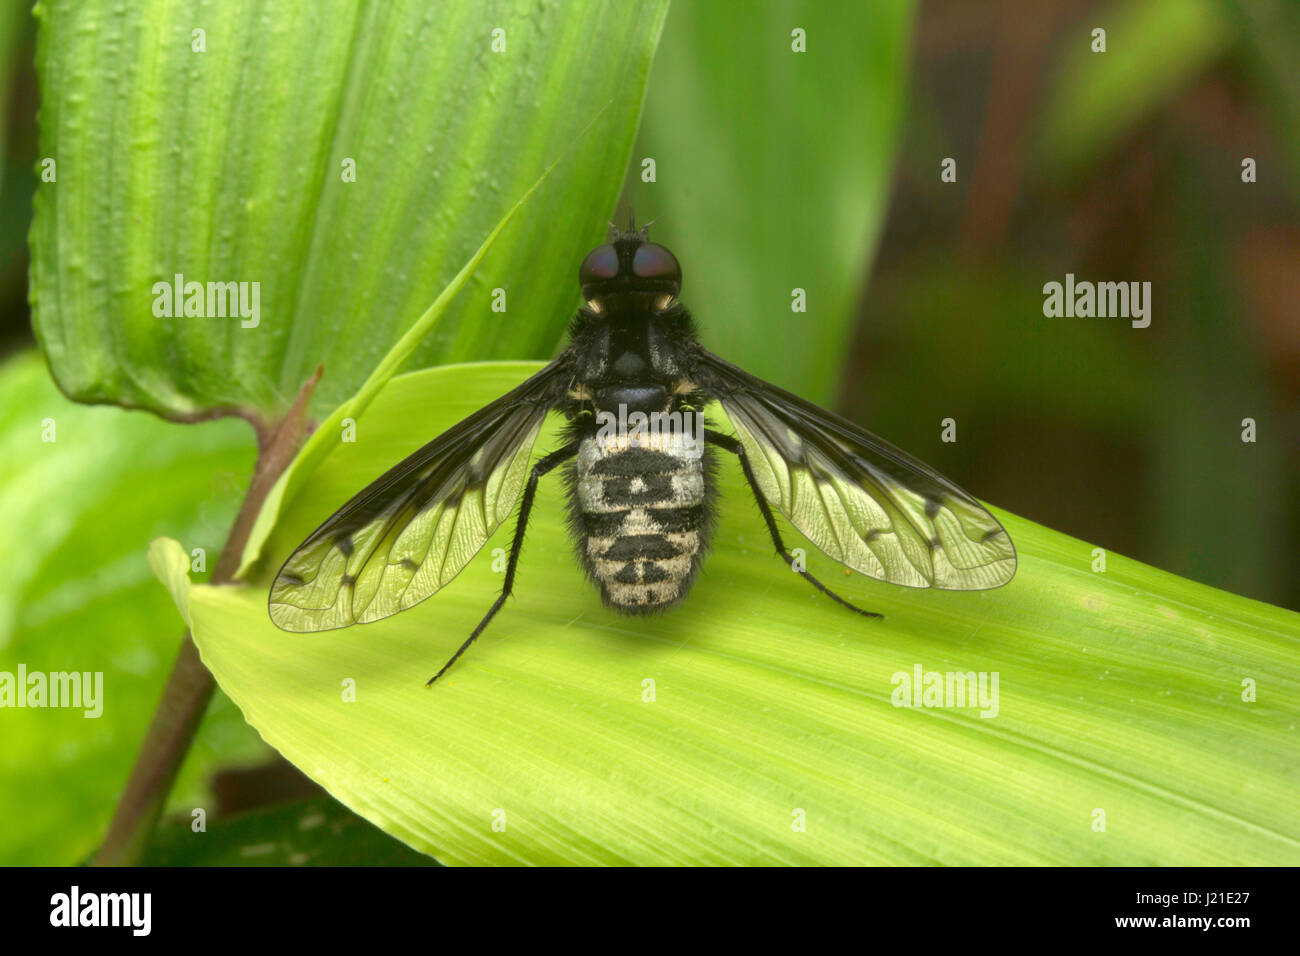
pixel 76 517
pixel 1119 691
pixel 227 165
pixel 315 832
pixel 773 171
pixel 1153 48
pixel 171 565
pixel 327 434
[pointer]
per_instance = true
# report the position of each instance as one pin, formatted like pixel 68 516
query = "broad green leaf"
pixel 1153 48
pixel 315 832
pixel 772 171
pixel 216 142
pixel 756 723
pixel 76 517
pixel 329 432
pixel 171 565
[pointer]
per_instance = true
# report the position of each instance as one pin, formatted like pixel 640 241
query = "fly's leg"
pixel 541 468
pixel 733 445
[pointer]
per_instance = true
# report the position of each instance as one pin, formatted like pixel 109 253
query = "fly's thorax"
pixel 629 341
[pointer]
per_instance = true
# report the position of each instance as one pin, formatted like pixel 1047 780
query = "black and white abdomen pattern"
pixel 642 515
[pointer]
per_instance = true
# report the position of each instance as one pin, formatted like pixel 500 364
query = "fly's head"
pixel 632 341
pixel 629 273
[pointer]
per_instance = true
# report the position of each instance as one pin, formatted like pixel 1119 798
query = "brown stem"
pixel 190 686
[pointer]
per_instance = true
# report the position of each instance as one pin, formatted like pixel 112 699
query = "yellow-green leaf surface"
pixel 1140 718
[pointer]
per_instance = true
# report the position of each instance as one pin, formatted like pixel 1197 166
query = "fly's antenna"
pixel 643 232
pixel 615 232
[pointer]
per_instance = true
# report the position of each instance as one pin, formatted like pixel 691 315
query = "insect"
pixel 640 462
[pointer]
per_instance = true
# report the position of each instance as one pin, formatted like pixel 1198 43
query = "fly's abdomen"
pixel 642 516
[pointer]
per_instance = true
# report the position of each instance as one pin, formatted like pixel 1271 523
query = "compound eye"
pixel 601 263
pixel 655 262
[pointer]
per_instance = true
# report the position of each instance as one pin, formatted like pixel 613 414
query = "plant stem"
pixel 190 686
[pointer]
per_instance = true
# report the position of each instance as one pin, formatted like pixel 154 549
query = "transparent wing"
pixel 864 502
pixel 413 529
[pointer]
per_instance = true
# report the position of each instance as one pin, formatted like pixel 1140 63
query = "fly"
pixel 640 464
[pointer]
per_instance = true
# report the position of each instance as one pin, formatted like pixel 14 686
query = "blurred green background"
pixel 1123 165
